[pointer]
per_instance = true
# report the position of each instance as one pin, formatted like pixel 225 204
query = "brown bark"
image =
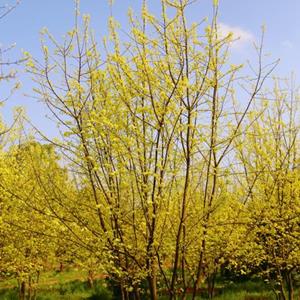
pixel 22 290
pixel 153 287
pixel 90 279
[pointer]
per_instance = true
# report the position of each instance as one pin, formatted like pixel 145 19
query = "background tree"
pixel 271 189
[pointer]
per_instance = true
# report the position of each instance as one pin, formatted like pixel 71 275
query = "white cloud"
pixel 287 44
pixel 241 37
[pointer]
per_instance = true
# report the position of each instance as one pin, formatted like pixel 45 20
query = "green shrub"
pixel 101 293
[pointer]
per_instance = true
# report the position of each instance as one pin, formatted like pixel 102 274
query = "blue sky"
pixel 22 26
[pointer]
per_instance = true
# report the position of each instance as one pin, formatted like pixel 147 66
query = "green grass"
pixel 49 278
pixel 244 290
pixel 76 290
pixel 72 285
pixel 65 285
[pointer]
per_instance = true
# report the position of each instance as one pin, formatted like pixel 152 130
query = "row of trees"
pixel 171 165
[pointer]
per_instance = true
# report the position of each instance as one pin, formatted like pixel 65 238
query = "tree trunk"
pixel 211 285
pixel 289 282
pixel 90 279
pixel 153 287
pixel 29 287
pixel 136 293
pixel 61 267
pixel 282 293
pixel 22 290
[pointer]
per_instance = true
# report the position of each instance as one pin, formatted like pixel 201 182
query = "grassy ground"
pixel 248 290
pixel 59 285
pixel 50 278
pixel 72 285
pixel 74 290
